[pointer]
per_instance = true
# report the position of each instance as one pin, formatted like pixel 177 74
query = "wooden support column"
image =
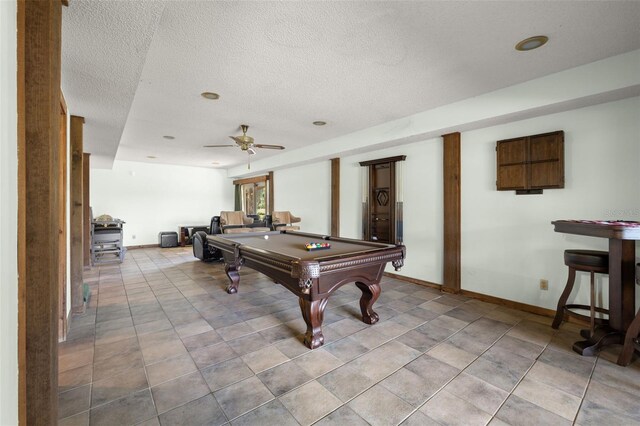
pixel 451 179
pixel 77 224
pixel 271 192
pixel 335 197
pixel 86 212
pixel 39 33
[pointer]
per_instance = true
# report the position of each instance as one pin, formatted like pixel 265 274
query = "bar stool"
pixel 591 261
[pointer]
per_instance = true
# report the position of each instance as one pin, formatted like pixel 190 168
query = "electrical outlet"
pixel 544 284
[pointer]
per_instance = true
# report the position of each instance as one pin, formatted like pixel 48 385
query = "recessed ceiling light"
pixel 169 137
pixel 319 123
pixel 210 95
pixel 215 163
pixel 531 43
pixel 151 156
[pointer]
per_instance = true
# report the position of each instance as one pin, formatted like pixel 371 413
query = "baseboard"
pixel 509 303
pixel 413 280
pixel 142 246
pixel 491 299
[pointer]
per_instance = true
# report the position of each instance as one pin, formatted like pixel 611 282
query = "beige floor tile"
pixel 283 378
pixel 202 411
pixel 378 406
pixel 409 386
pixel 310 402
pixel 559 379
pixel 264 359
pixel 242 397
pixel 346 382
pixel 74 401
pixel 170 369
pixel 132 409
pixel 209 355
pixel 177 392
pixel 342 416
pixel 479 393
pixel 117 386
pixel 272 413
pixel 452 355
pixel 317 362
pixel 549 398
pixel 441 407
pixel 517 411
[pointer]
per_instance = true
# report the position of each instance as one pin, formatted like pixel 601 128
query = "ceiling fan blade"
pixel 217 146
pixel 259 145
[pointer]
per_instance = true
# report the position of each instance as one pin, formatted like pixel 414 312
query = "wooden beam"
pixel 77 225
pixel 251 180
pixel 451 179
pixel 62 222
pixel 38 241
pixel 271 192
pixel 335 197
pixel 86 211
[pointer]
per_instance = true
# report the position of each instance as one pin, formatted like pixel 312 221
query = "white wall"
pixel 152 198
pixel 8 216
pixel 306 192
pixel 422 210
pixel 508 243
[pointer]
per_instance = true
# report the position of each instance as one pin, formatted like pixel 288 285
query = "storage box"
pixel 168 239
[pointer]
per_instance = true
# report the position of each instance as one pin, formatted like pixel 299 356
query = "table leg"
pixel 234 275
pixel 624 358
pixel 313 314
pixel 370 293
pixel 622 256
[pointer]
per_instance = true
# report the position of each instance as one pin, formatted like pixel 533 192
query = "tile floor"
pixel 163 343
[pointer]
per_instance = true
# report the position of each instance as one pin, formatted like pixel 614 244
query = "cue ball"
pixel 266 237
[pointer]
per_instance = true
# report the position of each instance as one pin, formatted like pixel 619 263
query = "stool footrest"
pixel 599 321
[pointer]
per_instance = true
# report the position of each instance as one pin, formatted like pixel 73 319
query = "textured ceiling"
pixel 135 69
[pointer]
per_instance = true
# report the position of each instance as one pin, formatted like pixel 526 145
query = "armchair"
pixel 284 220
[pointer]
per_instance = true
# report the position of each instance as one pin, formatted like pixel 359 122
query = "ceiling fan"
pixel 246 144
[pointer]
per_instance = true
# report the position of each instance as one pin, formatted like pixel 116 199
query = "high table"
pixel 622 236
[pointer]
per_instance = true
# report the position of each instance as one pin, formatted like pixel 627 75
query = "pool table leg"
pixel 232 272
pixel 370 293
pixel 313 314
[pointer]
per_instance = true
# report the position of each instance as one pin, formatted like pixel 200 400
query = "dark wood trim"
pixel 41 114
pixel 65 2
pixel 77 225
pixel 22 228
pixel 490 299
pixel 413 280
pixel 509 303
pixel 383 160
pixel 62 222
pixel 86 212
pixel 271 193
pixel 335 197
pixel 451 192
pixel 142 246
pixel 251 180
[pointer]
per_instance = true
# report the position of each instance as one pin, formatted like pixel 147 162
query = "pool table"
pixel 311 275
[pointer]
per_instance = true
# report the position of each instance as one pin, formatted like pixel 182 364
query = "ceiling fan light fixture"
pixel 210 95
pixel 531 43
pixel 319 123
